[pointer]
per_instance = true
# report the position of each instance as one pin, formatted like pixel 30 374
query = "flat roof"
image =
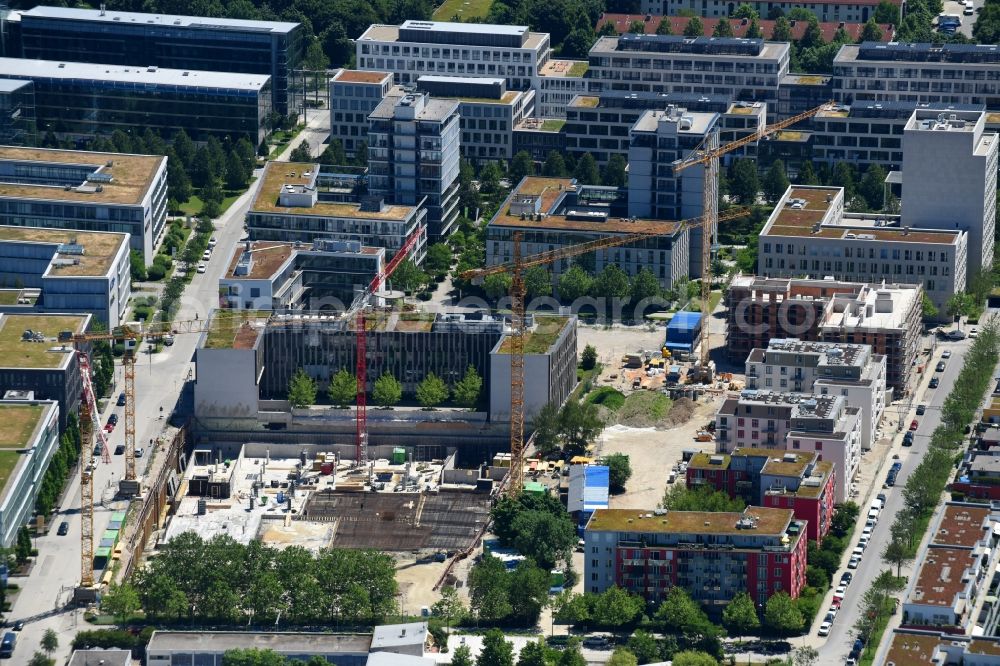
pixel 940 576
pixel 172 20
pixel 770 522
pixel 623 23
pixel 390 33
pixel 282 642
pixel 10 85
pixel 57 69
pixel 464 28
pixel 18 423
pixel 912 648
pixel 360 76
pixel 100 249
pixel 435 108
pixel 131 176
pixel 701 122
pixel 961 526
pixel 235 329
pixel 397 635
pixel 768 51
pixel 278 174
pixel 269 256
pixel 564 68
pixel 703 460
pixel 15 353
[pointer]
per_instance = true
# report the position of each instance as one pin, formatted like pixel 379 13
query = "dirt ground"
pixel 615 341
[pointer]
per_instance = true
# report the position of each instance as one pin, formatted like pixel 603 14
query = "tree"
pixel 252 657
pixel 497 651
pixel 616 608
pixel 619 472
pixel 361 154
pixel 489 585
pixel 546 425
pixel 588 359
pixel 121 601
pixel 664 27
pixel 466 391
pixel 408 276
pixel 333 154
pixel 896 552
pixel 622 657
pixel 746 11
pixel 579 426
pixel 520 166
pixel 387 390
pixel 497 285
pixel 807 175
pixel 586 171
pixel 753 30
pixel 301 153
pixel 529 591
pixel 740 615
pixel 872 186
pixel 449 607
pixel 723 28
pixel 781 614
pixel 644 646
pixel 571 656
pixel 438 259
pixel 645 285
pixel 537 282
pixel 543 536
pixel 237 172
pixel 211 199
pixel 775 182
pixel 22 548
pixel 432 391
pixel 782 31
pixel 50 641
pixel 743 182
pixel 813 36
pixel 805 656
pixel 694 658
pixel 614 170
pixel 871 32
pixel 694 28
pixel 886 12
pixel 637 27
pixel 301 389
pixel 343 389
pixel 554 166
pixel 39 659
pixel 612 282
pixel 462 656
pixel 681 614
pixel 574 283
pixel 843 176
pixel 927 308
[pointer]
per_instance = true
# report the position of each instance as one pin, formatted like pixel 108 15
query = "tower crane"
pixel 708 155
pixel 516 268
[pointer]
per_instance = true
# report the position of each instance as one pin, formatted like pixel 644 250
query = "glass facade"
pixel 17 113
pixel 198 47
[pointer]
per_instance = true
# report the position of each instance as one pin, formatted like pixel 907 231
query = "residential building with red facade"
pixel 713 556
pixel 795 480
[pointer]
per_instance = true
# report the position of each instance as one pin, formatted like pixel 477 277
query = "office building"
pixel 559 81
pixel 553 212
pixel 100 657
pixel 822 424
pixel 781 480
pixel 416 48
pixel 713 556
pixel 292 205
pixel 37 366
pixel 626 23
pixel 738 69
pixel 353 96
pixel 885 316
pixel 413 156
pixel 83 191
pixel 849 11
pixel 487 111
pixel 825 368
pixel 79 101
pixel 961 196
pixel 53 270
pixel 798 93
pixel 17 113
pixel 917 73
pixel 239 46
pixel 29 436
pixel 539 136
pixel 809 234
pixel 282 277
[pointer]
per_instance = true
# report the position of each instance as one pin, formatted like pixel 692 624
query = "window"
pixel 819 446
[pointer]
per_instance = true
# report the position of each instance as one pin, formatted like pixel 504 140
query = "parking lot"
pixel 957 8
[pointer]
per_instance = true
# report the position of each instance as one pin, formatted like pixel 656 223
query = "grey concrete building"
pixel 17 113
pixel 559 81
pixel 353 96
pixel 39 420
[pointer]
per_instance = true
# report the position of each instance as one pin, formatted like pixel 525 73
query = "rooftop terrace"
pixel 541 337
pixel 100 248
pixel 235 329
pixel 18 353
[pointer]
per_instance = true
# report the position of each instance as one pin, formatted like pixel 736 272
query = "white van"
pixel 873 515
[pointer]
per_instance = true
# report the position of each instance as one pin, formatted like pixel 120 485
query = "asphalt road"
pixel 835 648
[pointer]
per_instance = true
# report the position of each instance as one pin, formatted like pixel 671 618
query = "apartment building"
pixel 962 196
pixel 918 73
pixel 239 46
pixel 84 191
pixel 852 11
pixel 353 96
pixel 554 212
pixel 17 113
pixel 600 124
pixel 559 81
pixel 825 368
pixel 53 270
pixel 780 480
pixel 886 316
pixel 416 48
pixel 292 206
pixel 713 556
pixel 29 430
pixel 36 366
pixel 625 23
pixel 413 156
pixel 920 646
pixel 821 424
pixel 282 277
pixel 78 101
pixel 738 69
pixel 809 234
pixel 488 113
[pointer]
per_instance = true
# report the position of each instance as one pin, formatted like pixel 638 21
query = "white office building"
pixel 849 11
pixel 950 179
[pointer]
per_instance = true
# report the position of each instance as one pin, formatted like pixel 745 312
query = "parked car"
pixel 839 592
pixel 202 268
pixel 120 449
pixel 121 399
pixel 914 424
pixel 846 578
pixel 109 427
pixel 881 496
pixel 113 419
pixel 139 452
pixel 858 552
pixel 97 449
pixel 596 642
pixel 921 410
pixel 933 383
pixel 973 332
pixel 853 563
pixel 863 540
pixel 946 353
pixel 168 340
pixel 830 617
pixel 824 629
pixel 908 438
pixel 212 242
pixel 206 255
pixel 63 528
pixel 968 11
pixel 939 367
pixel 896 466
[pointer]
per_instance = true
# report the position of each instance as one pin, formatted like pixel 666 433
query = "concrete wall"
pixel 226 383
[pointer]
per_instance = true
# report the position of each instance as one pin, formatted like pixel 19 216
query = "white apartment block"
pixel 826 368
pixel 851 11
pixel 919 73
pixel 739 69
pixel 821 424
pixel 353 95
pixel 808 234
pixel 950 179
pixel 559 81
pixel 416 48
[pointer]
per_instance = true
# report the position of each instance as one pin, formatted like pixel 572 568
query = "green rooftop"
pixel 543 336
pixel 17 425
pixel 17 353
pixel 232 329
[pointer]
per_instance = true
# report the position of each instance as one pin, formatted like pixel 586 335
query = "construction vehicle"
pixel 707 154
pixel 516 269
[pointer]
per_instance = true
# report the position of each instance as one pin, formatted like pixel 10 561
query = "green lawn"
pixel 465 9
pixel 192 206
pixel 552 124
pixel 9 296
pixel 579 68
pixel 713 301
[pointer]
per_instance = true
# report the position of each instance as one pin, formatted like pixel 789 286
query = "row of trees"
pixel 500 596
pixel 226 582
pixel 387 390
pixel 63 461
